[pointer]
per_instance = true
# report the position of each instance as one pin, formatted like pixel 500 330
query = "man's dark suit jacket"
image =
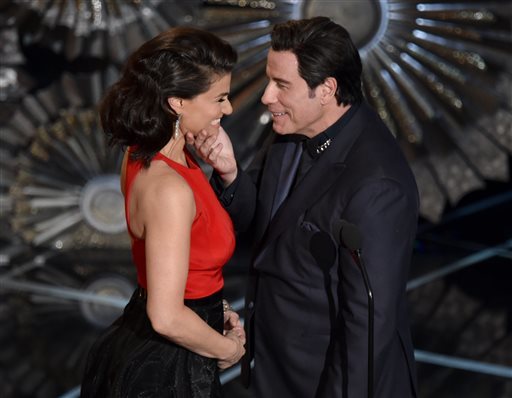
pixel 307 313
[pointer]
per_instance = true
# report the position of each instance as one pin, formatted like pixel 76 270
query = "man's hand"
pixel 216 149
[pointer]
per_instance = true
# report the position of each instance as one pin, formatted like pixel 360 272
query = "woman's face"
pixel 206 110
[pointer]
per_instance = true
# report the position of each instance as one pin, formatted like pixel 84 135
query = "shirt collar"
pixel 319 143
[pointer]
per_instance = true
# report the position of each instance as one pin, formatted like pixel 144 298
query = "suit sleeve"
pixel 240 198
pixel 386 214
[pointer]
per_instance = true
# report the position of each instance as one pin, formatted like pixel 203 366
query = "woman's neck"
pixel 174 150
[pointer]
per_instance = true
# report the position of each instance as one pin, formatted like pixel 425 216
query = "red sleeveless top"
pixel 212 237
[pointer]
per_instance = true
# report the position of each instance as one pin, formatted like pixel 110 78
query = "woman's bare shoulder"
pixel 161 186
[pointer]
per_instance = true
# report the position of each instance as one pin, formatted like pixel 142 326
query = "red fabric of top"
pixel 212 237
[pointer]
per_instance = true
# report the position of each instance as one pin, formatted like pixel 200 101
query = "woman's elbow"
pixel 167 326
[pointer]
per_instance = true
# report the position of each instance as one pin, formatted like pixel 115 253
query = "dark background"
pixel 438 73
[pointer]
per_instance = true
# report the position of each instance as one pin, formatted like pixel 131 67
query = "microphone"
pixel 323 249
pixel 350 237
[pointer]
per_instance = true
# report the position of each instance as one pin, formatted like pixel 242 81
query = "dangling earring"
pixel 177 127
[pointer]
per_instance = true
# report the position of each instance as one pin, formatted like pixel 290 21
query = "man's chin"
pixel 281 130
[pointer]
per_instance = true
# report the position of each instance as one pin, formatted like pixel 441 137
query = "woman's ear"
pixel 176 104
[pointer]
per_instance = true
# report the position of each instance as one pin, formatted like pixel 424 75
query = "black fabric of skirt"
pixel 131 360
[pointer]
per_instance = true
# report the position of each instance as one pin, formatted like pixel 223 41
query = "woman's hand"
pixel 233 329
pixel 232 321
pixel 238 349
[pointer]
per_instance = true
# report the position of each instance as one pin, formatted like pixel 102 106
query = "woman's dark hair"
pixel 181 62
pixel 323 49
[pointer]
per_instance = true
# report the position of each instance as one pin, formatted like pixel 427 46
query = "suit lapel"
pixel 269 185
pixel 315 183
pixel 319 179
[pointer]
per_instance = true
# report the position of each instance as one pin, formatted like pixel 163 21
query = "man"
pixel 307 307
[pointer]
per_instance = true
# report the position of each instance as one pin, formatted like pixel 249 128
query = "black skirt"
pixel 131 360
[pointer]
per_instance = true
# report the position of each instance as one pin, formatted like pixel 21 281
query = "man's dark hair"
pixel 323 49
pixel 181 62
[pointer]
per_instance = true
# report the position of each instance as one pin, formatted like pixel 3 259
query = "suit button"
pixel 250 305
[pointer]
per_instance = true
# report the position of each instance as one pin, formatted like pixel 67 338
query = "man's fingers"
pixel 214 152
pixel 200 138
pixel 207 144
pixel 189 138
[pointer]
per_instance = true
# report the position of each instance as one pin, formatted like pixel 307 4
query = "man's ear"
pixel 328 90
pixel 176 104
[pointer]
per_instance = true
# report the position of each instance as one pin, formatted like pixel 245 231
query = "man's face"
pixel 294 106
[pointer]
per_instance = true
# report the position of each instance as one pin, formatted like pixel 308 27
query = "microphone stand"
pixel 356 255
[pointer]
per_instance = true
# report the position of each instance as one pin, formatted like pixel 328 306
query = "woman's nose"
pixel 227 108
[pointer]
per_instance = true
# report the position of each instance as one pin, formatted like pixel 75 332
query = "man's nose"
pixel 268 96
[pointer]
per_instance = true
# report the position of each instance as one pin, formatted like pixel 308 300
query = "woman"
pixel 173 335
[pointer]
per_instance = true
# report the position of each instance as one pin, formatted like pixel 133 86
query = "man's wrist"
pixel 225 191
pixel 228 178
